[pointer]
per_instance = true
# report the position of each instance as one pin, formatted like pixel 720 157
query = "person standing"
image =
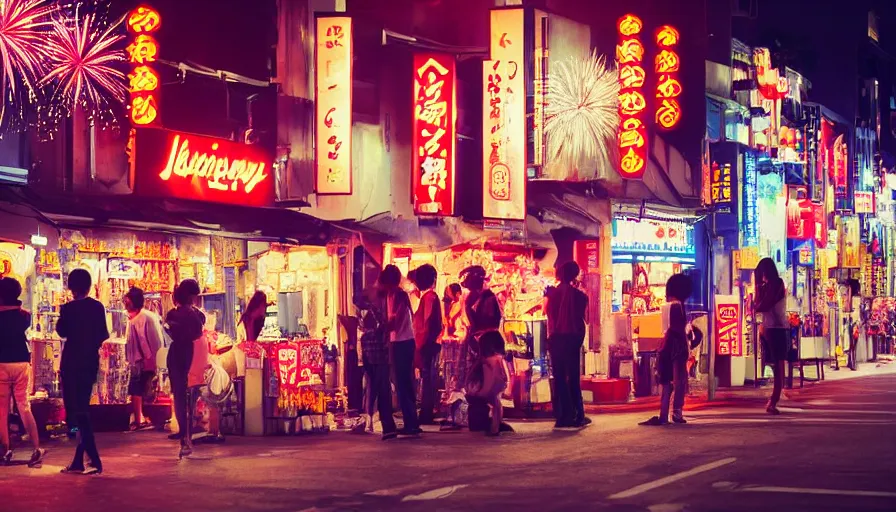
pixel 252 320
pixel 375 358
pixel 401 342
pixel 185 325
pixel 427 329
pixel 566 309
pixel 82 323
pixel 771 302
pixel 15 370
pixel 144 339
pixel 672 360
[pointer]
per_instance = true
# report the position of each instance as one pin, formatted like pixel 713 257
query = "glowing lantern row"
pixel 668 86
pixel 434 134
pixel 632 136
pixel 144 84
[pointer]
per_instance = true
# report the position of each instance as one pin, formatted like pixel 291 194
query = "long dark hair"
pixel 767 295
pixel 766 268
pixel 253 317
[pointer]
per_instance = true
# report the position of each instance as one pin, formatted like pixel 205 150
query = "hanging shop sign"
pixel 667 65
pixel 504 119
pixel 728 321
pixel 632 134
pixel 850 242
pixel 750 202
pixel 864 202
pixel 805 219
pixel 587 255
pixel 120 268
pixel 664 239
pixel 720 186
pixel 434 125
pixel 333 112
pixel 838 171
pixel 172 164
pixel 144 84
pixel 805 253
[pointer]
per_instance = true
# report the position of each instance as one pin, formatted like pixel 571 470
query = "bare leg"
pixel 497 414
pixel 4 423
pixel 137 402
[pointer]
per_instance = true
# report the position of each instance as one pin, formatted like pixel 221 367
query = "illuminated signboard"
pixel 333 114
pixel 864 202
pixel 720 186
pixel 587 254
pixel 144 84
pixel 668 84
pixel 728 338
pixel 434 134
pixel 652 240
pixel 185 166
pixel 750 204
pixel 504 119
pixel 632 136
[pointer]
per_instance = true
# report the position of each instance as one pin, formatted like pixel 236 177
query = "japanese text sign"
pixel 864 202
pixel 144 84
pixel 750 203
pixel 434 126
pixel 504 124
pixel 728 320
pixel 668 86
pixel 186 166
pixel 720 186
pixel 587 255
pixel 333 113
pixel 632 134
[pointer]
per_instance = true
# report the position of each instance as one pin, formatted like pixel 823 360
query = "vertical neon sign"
pixel 668 86
pixel 632 136
pixel 144 84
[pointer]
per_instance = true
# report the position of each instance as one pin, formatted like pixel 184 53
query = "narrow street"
pixel 831 449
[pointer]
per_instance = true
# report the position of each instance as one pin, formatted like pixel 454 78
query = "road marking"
pixel 435 494
pixel 639 489
pixel 822 492
pixel 395 491
pixel 833 411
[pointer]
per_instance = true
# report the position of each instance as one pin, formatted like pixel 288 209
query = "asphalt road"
pixel 833 448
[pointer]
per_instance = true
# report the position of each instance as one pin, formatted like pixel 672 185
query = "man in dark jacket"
pixel 566 308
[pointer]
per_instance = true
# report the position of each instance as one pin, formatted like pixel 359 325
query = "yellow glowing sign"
pixel 631 138
pixel 144 83
pixel 143 20
pixel 333 119
pixel 668 85
pixel 504 119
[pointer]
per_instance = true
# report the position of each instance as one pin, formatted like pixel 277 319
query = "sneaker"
pixel 584 422
pixel 72 470
pixel 564 425
pixel 93 470
pixel 37 456
pixel 679 419
pixel 772 410
pixel 7 456
pixel 185 451
pixel 654 422
pixel 388 436
pixel 409 432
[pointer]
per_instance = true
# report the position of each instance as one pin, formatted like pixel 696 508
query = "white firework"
pixel 581 114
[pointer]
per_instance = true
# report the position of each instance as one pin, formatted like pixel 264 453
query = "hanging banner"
pixel 850 241
pixel 333 112
pixel 668 86
pixel 728 321
pixel 632 134
pixel 504 119
pixel 750 202
pixel 864 202
pixel 434 125
pixel 144 84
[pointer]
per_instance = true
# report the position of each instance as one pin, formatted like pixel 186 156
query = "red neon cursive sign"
pixel 186 166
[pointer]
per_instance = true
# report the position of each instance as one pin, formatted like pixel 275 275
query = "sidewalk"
pixel 747 395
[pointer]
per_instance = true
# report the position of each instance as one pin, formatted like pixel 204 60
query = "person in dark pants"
pixel 82 323
pixel 401 345
pixel 427 328
pixel 672 361
pixel 566 307
pixel 375 357
pixel 184 324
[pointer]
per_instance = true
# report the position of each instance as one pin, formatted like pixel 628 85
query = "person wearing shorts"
pixel 15 369
pixel 144 339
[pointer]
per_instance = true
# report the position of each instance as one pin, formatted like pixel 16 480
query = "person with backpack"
pixel 375 358
pixel 672 360
pixel 15 370
pixel 82 323
pixel 144 339
pixel 566 308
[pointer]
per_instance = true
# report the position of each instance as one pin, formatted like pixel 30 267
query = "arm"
pixel 102 330
pixel 62 327
pixel 433 315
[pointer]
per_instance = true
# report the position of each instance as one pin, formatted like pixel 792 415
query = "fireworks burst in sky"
pixel 83 56
pixel 23 28
pixel 581 113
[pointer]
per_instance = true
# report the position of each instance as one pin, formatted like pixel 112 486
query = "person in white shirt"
pixel 401 339
pixel 144 339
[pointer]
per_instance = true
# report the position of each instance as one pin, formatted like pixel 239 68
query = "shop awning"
pixel 172 215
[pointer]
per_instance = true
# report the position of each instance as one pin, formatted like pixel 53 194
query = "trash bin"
pixel 645 380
